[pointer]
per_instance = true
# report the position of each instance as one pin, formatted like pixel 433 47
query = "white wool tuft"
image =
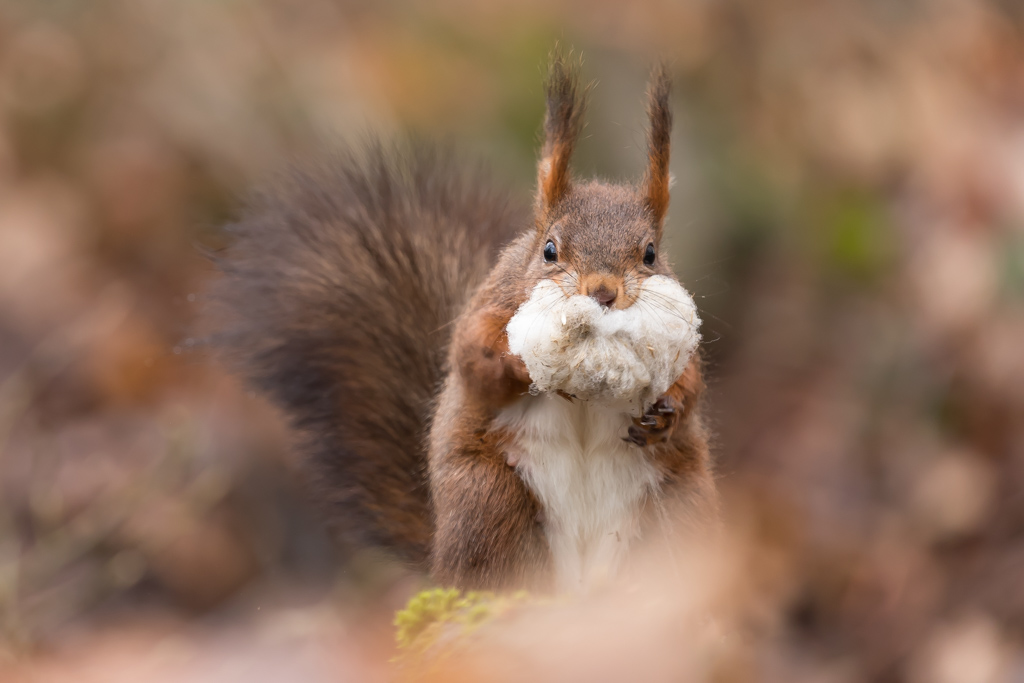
pixel 575 345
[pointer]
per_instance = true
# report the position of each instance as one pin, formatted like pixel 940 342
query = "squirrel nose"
pixel 601 287
pixel 603 295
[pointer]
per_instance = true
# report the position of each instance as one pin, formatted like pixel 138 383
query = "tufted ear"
pixel 562 124
pixel 657 180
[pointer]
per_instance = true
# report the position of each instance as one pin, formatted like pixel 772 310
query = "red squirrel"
pixel 371 296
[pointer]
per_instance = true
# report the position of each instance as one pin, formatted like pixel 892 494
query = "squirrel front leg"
pixel 487 535
pixel 489 370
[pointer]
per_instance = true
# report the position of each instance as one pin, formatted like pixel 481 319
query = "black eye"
pixel 649 255
pixel 550 252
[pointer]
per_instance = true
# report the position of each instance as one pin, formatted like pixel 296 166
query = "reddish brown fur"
pixel 562 125
pixel 343 287
pixel 480 350
pixel 461 438
pixel 657 179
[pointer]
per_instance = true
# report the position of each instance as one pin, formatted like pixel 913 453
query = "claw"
pixel 655 425
pixel 635 437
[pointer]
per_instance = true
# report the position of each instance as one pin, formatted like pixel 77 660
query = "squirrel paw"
pixel 655 426
pixel 515 368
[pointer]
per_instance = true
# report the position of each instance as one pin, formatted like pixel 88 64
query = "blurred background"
pixel 849 209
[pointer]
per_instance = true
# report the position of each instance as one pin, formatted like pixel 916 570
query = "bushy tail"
pixel 337 300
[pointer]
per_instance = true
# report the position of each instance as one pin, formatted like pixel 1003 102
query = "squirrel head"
pixel 594 238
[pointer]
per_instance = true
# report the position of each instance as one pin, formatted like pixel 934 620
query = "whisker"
pixel 661 307
pixel 544 313
pixel 717 319
pixel 661 296
pixel 703 313
pixel 574 277
pixel 662 302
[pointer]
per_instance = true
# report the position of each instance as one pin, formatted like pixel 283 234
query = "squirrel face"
pixel 600 241
pixel 597 239
pixel 604 319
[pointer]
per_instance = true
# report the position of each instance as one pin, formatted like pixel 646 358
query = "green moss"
pixel 427 608
pixel 436 621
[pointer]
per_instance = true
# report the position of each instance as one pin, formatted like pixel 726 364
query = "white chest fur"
pixel 592 485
